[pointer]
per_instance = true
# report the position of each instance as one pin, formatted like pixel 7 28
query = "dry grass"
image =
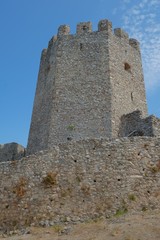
pixel 85 188
pixel 20 188
pixel 50 179
pixel 142 226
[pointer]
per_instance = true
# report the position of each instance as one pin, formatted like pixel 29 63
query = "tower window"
pixel 127 67
pixel 81 46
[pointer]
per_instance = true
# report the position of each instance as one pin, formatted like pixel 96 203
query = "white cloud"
pixel 141 21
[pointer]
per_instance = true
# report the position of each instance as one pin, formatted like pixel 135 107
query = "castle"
pixel 90 85
pixel 91 144
pixel 86 83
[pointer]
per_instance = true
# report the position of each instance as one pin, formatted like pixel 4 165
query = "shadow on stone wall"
pixel 11 151
pixel 133 124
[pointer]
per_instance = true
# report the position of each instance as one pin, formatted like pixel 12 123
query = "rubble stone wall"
pixel 78 181
pixel 11 151
pixel 133 124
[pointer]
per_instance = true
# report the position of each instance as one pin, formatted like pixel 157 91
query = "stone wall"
pixel 134 124
pixel 79 181
pixel 11 151
pixel 86 82
pixel 126 76
pixel 155 125
pixel 41 117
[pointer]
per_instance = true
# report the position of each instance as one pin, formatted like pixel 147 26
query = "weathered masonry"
pixel 86 82
pixel 92 151
pixel 90 85
pixel 11 151
pixel 79 181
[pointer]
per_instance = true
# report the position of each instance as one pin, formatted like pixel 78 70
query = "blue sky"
pixel 26 26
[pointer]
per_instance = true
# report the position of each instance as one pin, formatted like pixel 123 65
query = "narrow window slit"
pixel 132 96
pixel 81 46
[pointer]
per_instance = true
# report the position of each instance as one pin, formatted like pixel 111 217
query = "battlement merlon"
pixel 134 43
pixel 104 25
pixel 121 33
pixel 84 27
pixel 63 30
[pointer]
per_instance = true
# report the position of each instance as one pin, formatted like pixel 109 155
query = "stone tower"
pixel 86 82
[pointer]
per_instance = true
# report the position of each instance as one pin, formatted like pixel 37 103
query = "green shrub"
pixel 132 197
pixel 121 212
pixel 71 127
pixel 58 228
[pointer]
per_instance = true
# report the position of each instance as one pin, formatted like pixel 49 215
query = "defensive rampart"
pixel 81 180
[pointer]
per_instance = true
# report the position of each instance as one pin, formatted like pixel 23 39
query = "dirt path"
pixel 144 226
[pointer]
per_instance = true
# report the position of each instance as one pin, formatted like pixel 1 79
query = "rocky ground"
pixel 142 226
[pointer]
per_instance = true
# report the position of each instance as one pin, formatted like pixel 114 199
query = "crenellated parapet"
pixel 103 26
pixel 86 27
